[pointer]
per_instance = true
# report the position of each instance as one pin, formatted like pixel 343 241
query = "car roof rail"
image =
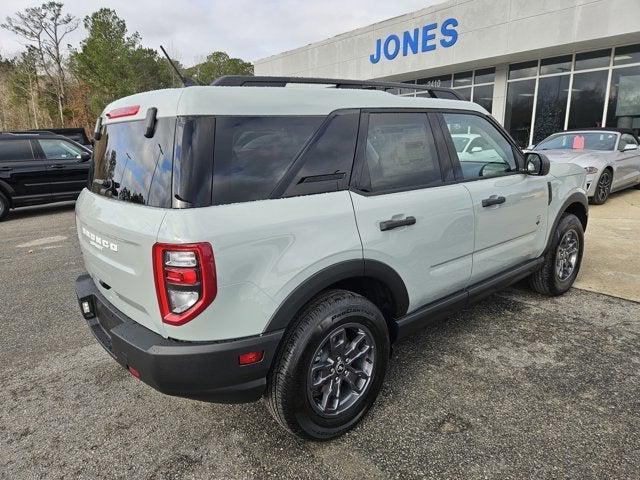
pixel 30 132
pixel 268 81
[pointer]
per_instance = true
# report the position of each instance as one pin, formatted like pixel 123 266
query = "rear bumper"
pixel 207 371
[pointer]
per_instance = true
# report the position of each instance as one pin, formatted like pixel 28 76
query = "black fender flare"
pixel 575 197
pixel 348 269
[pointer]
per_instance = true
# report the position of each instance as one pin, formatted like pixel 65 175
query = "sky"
pixel 248 29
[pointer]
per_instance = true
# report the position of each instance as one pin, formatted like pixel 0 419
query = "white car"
pixel 610 157
pixel 245 243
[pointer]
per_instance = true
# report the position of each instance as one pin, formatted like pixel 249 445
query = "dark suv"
pixel 38 168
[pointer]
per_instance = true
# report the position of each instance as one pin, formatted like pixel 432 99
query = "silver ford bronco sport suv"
pixel 274 242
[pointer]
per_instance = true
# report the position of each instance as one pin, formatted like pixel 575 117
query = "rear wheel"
pixel 603 188
pixel 331 366
pixel 4 206
pixel 562 260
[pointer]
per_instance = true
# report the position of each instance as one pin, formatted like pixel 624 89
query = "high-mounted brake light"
pixel 185 277
pixel 123 111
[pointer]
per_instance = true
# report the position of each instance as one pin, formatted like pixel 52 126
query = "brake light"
pixel 123 111
pixel 185 277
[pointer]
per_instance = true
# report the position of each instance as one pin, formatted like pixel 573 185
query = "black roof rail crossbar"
pixel 30 132
pixel 248 81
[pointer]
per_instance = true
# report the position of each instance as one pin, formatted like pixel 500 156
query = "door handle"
pixel 6 169
pixel 493 200
pixel 57 166
pixel 391 224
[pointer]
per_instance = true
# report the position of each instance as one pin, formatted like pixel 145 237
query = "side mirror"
pixel 84 156
pixel 537 163
pixel 628 147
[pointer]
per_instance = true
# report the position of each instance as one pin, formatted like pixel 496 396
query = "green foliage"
pixel 216 65
pixel 113 63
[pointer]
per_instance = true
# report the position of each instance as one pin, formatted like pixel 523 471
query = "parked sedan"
pixel 611 158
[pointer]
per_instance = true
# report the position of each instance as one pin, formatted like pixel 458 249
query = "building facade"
pixel 538 66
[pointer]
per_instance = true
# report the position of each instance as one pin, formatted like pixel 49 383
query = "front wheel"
pixel 4 206
pixel 562 260
pixel 603 188
pixel 331 366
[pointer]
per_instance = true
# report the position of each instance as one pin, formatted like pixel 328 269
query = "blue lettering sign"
pixel 425 37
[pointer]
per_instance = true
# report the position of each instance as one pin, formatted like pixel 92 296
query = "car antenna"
pixel 186 81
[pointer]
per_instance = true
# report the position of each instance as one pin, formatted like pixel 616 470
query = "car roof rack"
pixel 29 132
pixel 267 81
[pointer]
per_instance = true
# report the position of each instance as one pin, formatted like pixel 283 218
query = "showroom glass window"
pixel 588 89
pixel 474 85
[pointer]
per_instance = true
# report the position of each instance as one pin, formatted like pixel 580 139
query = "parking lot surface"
pixel 518 386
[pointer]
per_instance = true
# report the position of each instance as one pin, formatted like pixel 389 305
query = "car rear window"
pixel 13 150
pixel 133 168
pixel 251 154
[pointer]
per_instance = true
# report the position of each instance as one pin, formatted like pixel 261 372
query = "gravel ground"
pixel 519 386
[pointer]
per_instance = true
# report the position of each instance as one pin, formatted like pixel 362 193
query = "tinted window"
pixel 551 106
pixel 193 161
pixel 251 154
pixel 555 65
pixel 462 79
pixel 400 152
pixel 133 168
pixel 486 75
pixel 55 149
pixel 441 81
pixel 624 98
pixel 327 163
pixel 481 148
pixel 523 70
pixel 483 96
pixel 628 54
pixel 597 59
pixel 587 99
pixel 15 150
pixel 465 93
pixel 519 109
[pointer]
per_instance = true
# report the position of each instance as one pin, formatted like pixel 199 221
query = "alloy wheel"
pixel 341 369
pixel 567 255
pixel 604 186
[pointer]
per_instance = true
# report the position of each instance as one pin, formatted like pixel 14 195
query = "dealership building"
pixel 539 66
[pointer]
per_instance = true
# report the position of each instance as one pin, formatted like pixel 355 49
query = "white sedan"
pixel 610 156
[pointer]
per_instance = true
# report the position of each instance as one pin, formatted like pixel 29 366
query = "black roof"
pixel 604 129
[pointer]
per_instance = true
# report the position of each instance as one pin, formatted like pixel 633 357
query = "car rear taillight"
pixel 185 278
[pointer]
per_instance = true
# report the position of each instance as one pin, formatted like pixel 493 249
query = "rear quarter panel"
pixel 263 250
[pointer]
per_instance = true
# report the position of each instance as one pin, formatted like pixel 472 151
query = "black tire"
pixel 603 188
pixel 548 280
pixel 4 206
pixel 290 396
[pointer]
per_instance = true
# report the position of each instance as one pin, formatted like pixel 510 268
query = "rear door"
pixel 408 216
pixel 23 173
pixel 67 170
pixel 510 207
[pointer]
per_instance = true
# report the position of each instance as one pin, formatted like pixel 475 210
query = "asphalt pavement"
pixel 518 386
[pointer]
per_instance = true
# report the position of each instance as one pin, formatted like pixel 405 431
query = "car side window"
pixel 400 152
pixel 488 153
pixel 56 149
pixel 327 162
pixel 626 139
pixel 15 150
